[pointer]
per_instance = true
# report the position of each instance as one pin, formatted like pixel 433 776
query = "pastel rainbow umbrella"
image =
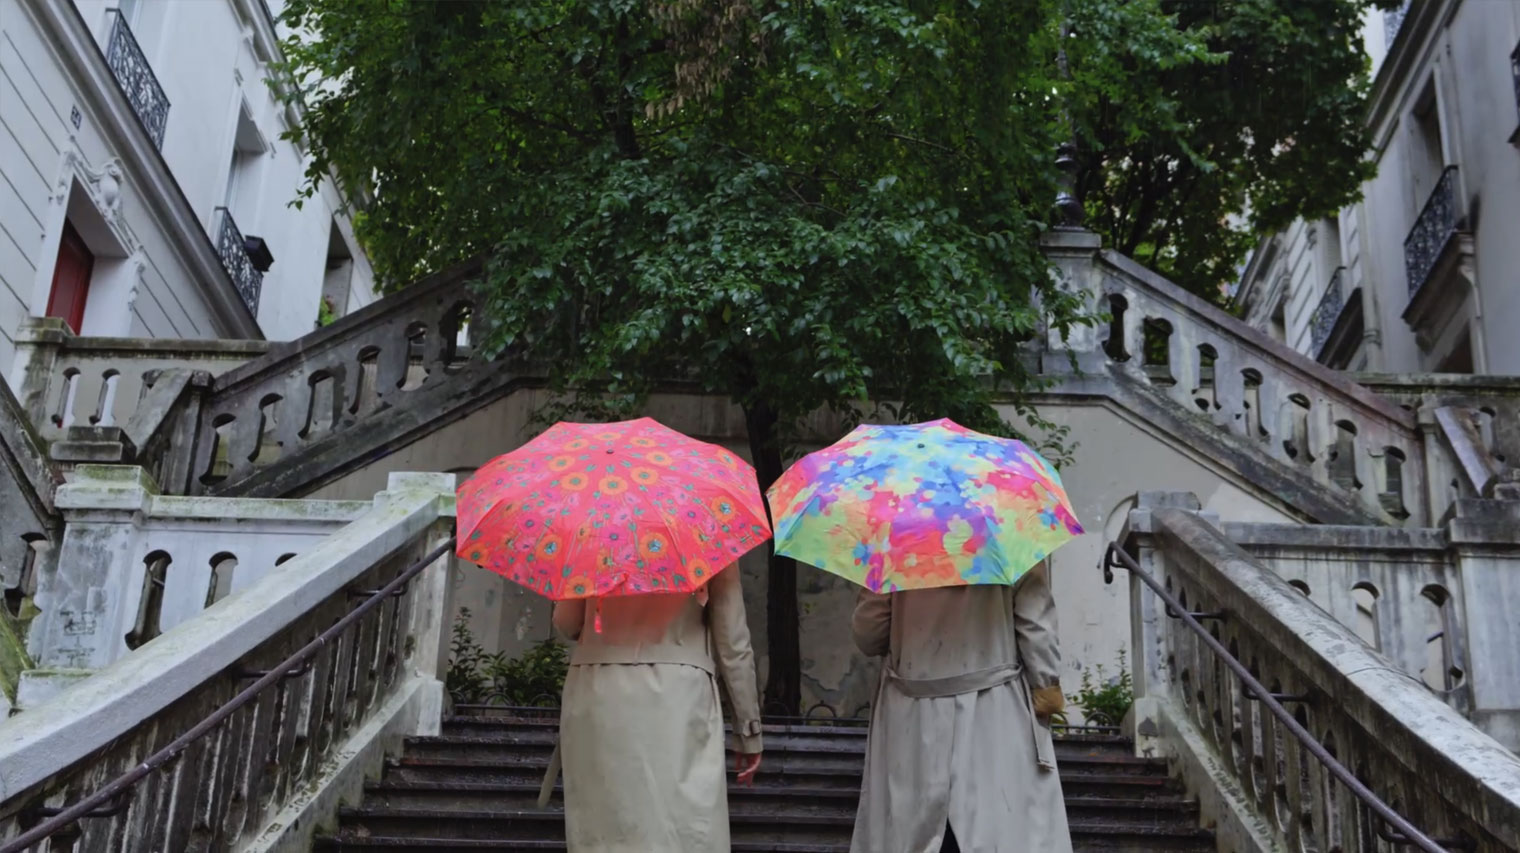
pixel 623 508
pixel 922 505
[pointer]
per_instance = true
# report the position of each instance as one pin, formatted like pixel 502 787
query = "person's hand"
pixel 747 764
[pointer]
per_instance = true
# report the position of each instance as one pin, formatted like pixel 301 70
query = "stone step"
pixel 818 738
pixel 760 799
pixel 458 845
pixel 539 825
pixel 1077 777
pixel 475 787
pixel 1201 842
pixel 751 827
pixel 797 752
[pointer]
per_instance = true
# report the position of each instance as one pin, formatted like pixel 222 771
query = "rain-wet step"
pixel 475 787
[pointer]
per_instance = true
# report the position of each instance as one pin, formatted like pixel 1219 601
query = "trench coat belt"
pixel 975 682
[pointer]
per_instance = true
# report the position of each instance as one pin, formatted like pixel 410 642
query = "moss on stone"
pixel 13 657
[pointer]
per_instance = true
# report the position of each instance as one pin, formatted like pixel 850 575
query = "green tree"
pixel 797 205
pixel 1185 164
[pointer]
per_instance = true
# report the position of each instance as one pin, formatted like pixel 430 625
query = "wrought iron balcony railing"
pixel 1434 227
pixel 1328 311
pixel 136 79
pixel 234 252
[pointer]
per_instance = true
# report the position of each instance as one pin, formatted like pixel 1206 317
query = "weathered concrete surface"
pixel 1448 773
pixel 65 380
pixel 1439 602
pixel 112 702
pixel 29 528
pixel 414 709
pixel 1238 826
pixel 119 527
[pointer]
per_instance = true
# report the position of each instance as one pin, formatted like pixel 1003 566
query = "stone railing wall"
pixel 1399 590
pixel 1416 753
pixel 66 381
pixel 29 528
pixel 1471 426
pixel 327 388
pixel 134 564
pixel 265 776
pixel 1285 406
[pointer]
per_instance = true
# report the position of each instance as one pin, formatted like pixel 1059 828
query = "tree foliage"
pixel 1186 163
pixel 798 205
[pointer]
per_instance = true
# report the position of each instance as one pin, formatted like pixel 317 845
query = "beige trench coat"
pixel 954 737
pixel 641 725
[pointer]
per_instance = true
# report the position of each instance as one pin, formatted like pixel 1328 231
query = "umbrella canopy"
pixel 922 505
pixel 611 509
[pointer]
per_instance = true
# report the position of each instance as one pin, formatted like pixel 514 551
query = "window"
pixel 248 148
pixel 337 281
pixel 1427 158
pixel 71 279
pixel 1279 327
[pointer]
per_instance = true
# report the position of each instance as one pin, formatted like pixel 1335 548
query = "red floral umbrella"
pixel 611 509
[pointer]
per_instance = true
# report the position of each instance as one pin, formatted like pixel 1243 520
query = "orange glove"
pixel 1049 700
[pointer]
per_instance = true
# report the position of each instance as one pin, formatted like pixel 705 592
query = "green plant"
pixel 465 680
pixel 1106 702
pixel 535 679
pixel 476 677
pixel 325 314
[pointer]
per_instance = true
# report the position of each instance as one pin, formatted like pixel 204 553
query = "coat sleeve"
pixel 570 617
pixel 735 656
pixel 872 623
pixel 1034 623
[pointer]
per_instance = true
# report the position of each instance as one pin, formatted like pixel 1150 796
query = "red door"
pixel 71 279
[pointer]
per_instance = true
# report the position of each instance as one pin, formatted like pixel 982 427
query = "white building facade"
pixel 145 189
pixel 1423 274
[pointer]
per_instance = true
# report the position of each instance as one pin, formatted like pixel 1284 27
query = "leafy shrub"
pixel 476 677
pixel 1105 702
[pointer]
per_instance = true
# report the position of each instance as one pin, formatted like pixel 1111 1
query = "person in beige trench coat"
pixel 960 737
pixel 641 724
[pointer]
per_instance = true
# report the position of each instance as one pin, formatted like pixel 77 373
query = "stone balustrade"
pixel 134 564
pixel 66 381
pixel 262 778
pixel 1258 784
pixel 1271 400
pixel 1471 426
pixel 1398 589
pixel 325 390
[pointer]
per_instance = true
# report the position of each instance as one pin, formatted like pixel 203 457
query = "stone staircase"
pixel 475 787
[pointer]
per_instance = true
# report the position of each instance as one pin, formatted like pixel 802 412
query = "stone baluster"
pixel 1382 725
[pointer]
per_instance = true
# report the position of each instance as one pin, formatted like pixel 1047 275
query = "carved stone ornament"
pixel 103 185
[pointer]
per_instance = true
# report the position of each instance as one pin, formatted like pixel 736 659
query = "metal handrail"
pixel 1406 832
pixel 122 784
